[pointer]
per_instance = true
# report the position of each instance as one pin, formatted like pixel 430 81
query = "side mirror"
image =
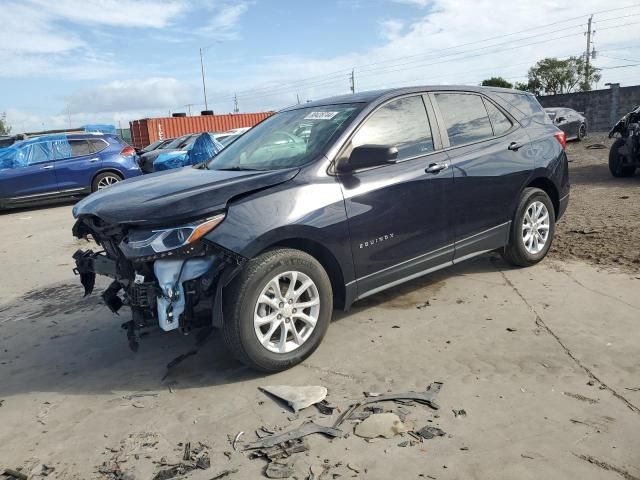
pixel 366 156
pixel 560 119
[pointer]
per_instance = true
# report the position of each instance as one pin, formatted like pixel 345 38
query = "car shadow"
pixel 599 175
pixel 56 340
pixel 60 202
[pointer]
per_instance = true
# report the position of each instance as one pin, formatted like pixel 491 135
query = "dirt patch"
pixel 602 223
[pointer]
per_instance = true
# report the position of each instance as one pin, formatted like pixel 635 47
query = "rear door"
pixel 76 170
pixel 398 213
pixel 488 153
pixel 33 174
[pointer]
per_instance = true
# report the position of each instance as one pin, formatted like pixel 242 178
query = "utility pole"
pixel 189 105
pixel 204 87
pixel 298 97
pixel 235 103
pixel 588 53
pixel 352 79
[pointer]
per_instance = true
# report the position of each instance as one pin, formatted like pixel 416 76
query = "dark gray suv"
pixel 265 239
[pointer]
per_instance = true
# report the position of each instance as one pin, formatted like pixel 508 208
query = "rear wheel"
pixel 277 310
pixel 582 131
pixel 616 161
pixel 532 229
pixel 104 180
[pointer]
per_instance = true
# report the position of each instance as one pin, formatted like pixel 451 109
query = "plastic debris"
pixel 385 425
pixel 459 413
pixel 429 432
pixel 204 148
pixel 235 440
pixel 14 474
pixel 278 470
pixel 324 407
pixel 305 429
pixel 297 397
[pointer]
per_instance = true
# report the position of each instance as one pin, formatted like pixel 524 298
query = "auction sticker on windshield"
pixel 320 115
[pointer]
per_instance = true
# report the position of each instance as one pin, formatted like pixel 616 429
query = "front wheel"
pixel 532 229
pixel 277 310
pixel 616 161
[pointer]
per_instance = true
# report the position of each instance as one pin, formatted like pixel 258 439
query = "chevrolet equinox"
pixel 323 204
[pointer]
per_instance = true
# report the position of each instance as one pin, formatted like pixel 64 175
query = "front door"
pixel 32 174
pixel 398 213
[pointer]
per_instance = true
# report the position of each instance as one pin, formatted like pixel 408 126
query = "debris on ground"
pixel 224 473
pixel 354 467
pixel 425 398
pixel 422 305
pixel 282 450
pixel 584 231
pixel 324 407
pixel 278 470
pixel 11 474
pixel 386 425
pixel 459 413
pixel 201 339
pixel 510 329
pixel 596 146
pixel 305 429
pixel 139 395
pixel 297 397
pixel 429 432
pixel 235 440
pixel 582 398
pixel 193 458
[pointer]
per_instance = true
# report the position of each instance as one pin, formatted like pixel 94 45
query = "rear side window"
pixel 80 148
pixel 402 123
pixel 499 121
pixel 464 117
pixel 97 145
pixel 527 105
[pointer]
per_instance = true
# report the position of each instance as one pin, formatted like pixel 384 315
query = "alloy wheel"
pixel 107 181
pixel 535 227
pixel 286 312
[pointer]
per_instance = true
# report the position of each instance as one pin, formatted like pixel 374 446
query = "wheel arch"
pixel 550 189
pixel 324 256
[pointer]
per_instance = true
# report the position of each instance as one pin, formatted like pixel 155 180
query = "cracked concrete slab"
pixel 67 376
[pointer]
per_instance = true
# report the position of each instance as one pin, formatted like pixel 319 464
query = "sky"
pixel 66 63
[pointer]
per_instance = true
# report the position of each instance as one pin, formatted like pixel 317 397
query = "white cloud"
pixel 391 28
pixel 417 3
pixel 133 95
pixel 120 13
pixel 224 18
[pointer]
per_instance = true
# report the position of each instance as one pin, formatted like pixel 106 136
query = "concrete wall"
pixel 603 108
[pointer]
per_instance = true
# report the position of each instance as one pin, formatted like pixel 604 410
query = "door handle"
pixel 94 160
pixel 436 167
pixel 514 146
pixel 47 167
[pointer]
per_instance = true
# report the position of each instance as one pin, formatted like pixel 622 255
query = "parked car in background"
pixel 146 160
pixel 225 138
pixel 624 156
pixel 159 144
pixel 52 166
pixel 203 148
pixel 7 140
pixel 572 123
pixel 274 232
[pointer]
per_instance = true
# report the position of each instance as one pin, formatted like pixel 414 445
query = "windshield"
pixel 179 142
pixel 286 139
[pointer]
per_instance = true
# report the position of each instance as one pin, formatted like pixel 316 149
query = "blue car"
pixel 54 166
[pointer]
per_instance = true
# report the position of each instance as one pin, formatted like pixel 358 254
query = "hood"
pixel 173 196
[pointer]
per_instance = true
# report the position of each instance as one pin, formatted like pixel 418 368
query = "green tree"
pixel 496 82
pixel 554 76
pixel 5 128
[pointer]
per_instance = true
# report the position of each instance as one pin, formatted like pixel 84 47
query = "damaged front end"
pixel 628 147
pixel 168 276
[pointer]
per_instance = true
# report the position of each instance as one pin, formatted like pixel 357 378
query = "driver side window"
pixel 402 123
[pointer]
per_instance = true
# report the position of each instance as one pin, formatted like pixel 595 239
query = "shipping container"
pixel 148 130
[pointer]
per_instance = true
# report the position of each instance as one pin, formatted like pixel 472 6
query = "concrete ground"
pixel 544 361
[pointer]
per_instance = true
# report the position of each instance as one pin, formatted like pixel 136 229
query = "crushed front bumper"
pixel 180 292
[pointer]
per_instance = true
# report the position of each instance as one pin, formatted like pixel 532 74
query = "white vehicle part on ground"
pixel 171 274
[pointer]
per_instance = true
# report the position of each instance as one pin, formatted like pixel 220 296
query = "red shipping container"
pixel 149 130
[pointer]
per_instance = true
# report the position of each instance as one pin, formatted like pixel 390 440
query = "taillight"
pixel 562 139
pixel 128 151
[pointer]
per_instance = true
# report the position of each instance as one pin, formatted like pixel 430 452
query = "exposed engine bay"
pixel 168 277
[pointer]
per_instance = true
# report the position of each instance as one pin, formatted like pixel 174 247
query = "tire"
pixel 99 182
pixel 582 132
pixel 517 252
pixel 616 161
pixel 241 308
